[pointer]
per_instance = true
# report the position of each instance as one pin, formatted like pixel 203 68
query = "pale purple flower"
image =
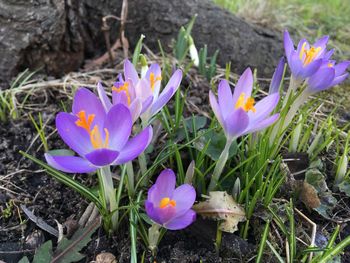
pixel 237 113
pixel 168 206
pixel 99 138
pixel 141 95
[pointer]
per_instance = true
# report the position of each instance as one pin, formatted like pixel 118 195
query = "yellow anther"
pixel 124 87
pixel 96 138
pixel 330 65
pixel 166 201
pixel 310 54
pixel 245 104
pixel 153 80
pixel 83 122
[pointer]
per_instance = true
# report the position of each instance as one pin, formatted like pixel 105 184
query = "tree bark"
pixel 58 35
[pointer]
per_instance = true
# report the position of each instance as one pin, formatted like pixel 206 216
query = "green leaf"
pixel 24 260
pixel 344 187
pixel 315 178
pixel 193 124
pixel 216 146
pixel 44 253
pixel 69 250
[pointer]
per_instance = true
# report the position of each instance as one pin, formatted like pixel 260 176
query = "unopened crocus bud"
pixel 277 77
pixel 144 65
pixel 294 141
pixel 193 52
pixel 236 189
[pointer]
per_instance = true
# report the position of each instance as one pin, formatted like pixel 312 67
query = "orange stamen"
pixel 96 138
pixel 245 104
pixel 166 201
pixel 83 122
pixel 310 54
pixel 153 80
pixel 124 87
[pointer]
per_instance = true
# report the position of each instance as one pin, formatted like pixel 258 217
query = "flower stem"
pixel 219 167
pixel 153 238
pixel 131 176
pixel 218 238
pixel 142 163
pixel 109 195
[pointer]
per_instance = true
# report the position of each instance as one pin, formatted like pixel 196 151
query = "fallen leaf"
pixel 222 206
pixel 309 196
pixel 106 257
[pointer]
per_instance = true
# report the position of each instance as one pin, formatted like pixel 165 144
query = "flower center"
pixel 310 54
pixel 153 79
pixel 166 201
pixel 330 65
pixel 245 104
pixel 95 135
pixel 123 87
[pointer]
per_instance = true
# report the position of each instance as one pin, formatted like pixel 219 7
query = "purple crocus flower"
pixel 170 207
pixel 237 113
pixel 277 77
pixel 143 95
pixel 306 59
pixel 328 75
pixel 99 138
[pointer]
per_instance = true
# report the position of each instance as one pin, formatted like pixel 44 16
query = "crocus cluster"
pixel 168 206
pixel 141 95
pixel 100 138
pixel 313 63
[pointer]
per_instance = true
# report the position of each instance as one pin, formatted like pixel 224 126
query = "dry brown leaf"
pixel 309 196
pixel 105 257
pixel 222 206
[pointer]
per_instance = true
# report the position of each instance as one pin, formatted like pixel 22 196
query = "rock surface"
pixel 57 36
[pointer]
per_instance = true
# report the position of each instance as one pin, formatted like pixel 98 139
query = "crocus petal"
pixel 225 98
pixel 151 212
pixel 295 64
pixel 70 164
pixel 102 157
pixel 321 80
pixel 236 123
pixel 143 89
pixel 301 44
pixel 174 82
pixel 161 101
pixel 184 195
pixel 103 97
pixel 311 68
pixel 288 44
pixel 155 69
pixel 182 221
pixel 215 107
pixel 264 107
pixel 135 109
pixel 120 98
pixel 165 186
pixel 244 85
pixel 146 104
pixel 74 136
pixel 277 77
pixel 321 42
pixel 135 146
pixel 339 79
pixel 165 214
pixel 341 67
pixel 119 124
pixel 85 100
pixel 254 127
pixel 130 72
pixel 328 54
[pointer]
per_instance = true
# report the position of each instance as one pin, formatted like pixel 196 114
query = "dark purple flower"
pixel 306 59
pixel 168 206
pixel 328 75
pixel 237 113
pixel 99 138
